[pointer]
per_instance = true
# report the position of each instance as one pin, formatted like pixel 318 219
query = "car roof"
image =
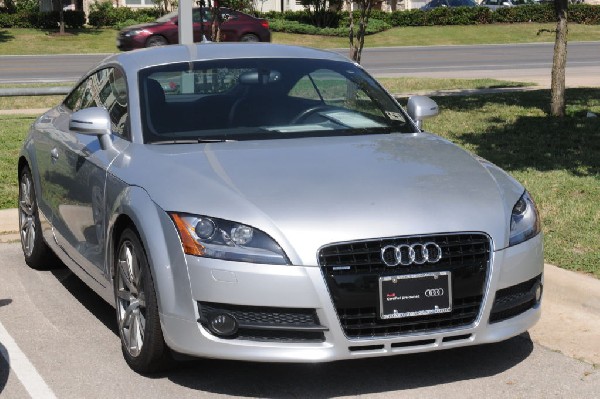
pixel 144 58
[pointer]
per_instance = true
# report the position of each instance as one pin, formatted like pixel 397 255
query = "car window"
pixel 248 99
pixel 334 89
pixel 106 88
pixel 205 15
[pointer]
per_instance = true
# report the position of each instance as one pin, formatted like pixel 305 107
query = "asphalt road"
pixel 517 62
pixel 60 340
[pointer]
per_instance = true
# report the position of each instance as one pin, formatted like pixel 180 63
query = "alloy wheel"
pixel 27 218
pixel 131 304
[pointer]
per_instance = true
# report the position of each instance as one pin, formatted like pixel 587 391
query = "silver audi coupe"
pixel 273 203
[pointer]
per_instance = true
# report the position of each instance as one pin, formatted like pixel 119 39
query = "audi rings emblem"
pixel 434 292
pixel 406 255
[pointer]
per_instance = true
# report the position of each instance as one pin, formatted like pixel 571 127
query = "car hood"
pixel 309 192
pixel 141 26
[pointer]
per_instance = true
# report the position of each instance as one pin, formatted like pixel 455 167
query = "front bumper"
pixel 127 43
pixel 303 287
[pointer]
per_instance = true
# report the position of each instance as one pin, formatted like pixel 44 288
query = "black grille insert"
pixel 273 324
pixel 352 271
pixel 512 301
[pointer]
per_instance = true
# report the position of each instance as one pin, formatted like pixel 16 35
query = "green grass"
pixel 556 159
pixel 34 41
pixel 412 85
pixel 89 40
pixel 448 35
pixel 27 102
pixel 12 132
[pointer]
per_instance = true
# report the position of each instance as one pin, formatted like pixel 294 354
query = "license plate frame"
pixel 412 295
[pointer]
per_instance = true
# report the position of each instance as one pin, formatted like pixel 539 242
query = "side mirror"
pixel 93 121
pixel 421 107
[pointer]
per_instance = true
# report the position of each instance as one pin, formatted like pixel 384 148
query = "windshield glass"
pixel 253 99
pixel 167 17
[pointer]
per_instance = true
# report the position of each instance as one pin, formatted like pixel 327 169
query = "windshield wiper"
pixel 191 141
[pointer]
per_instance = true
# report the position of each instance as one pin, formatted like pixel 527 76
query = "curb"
pixel 570 321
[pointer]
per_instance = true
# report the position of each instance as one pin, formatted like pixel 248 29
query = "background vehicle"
pixel 495 4
pixel 274 204
pixel 449 3
pixel 236 27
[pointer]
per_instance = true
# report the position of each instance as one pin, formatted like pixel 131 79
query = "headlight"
pixel 524 220
pixel 222 239
pixel 134 32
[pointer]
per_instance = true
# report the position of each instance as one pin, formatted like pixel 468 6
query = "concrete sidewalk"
pixel 570 320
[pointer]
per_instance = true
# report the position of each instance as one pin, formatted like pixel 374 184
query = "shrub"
pixel 280 25
pixel 7 20
pixel 104 14
pixel 584 14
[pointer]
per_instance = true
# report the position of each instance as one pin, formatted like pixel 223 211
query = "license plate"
pixel 415 295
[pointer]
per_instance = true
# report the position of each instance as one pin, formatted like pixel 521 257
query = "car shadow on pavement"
pixel 87 297
pixel 352 377
pixel 4 367
pixel 4 358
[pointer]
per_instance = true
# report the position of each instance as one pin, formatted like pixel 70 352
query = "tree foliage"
pixel 323 13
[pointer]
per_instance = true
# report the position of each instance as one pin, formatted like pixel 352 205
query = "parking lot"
pixel 67 346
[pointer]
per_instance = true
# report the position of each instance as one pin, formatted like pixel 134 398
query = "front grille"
pixel 352 272
pixel 273 324
pixel 512 301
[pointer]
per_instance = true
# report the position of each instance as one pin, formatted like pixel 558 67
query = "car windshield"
pixel 167 17
pixel 462 3
pixel 252 99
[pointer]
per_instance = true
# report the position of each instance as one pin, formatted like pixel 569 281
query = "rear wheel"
pixel 250 38
pixel 138 320
pixel 36 251
pixel 155 41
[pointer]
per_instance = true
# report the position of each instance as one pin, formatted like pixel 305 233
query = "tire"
pixel 249 38
pixel 138 320
pixel 155 41
pixel 37 254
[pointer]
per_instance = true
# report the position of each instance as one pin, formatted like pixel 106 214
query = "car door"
pixel 79 171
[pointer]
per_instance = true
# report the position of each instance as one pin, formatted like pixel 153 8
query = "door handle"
pixel 54 155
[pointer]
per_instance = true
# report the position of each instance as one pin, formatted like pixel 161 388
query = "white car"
pixel 274 204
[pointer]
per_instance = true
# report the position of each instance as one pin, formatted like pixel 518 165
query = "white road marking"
pixel 25 371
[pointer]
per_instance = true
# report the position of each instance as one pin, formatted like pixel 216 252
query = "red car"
pixel 236 27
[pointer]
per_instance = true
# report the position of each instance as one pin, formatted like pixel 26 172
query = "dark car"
pixel 236 27
pixel 448 3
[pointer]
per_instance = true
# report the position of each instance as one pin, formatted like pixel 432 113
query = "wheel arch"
pixel 156 35
pixel 22 163
pixel 134 208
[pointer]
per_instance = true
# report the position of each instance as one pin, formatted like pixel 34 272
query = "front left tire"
pixel 37 253
pixel 138 319
pixel 156 40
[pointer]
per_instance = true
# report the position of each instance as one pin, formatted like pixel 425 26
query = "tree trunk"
pixel 353 47
pixel 559 62
pixel 62 22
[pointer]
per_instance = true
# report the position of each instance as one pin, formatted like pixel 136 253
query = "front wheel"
pixel 37 254
pixel 249 38
pixel 138 320
pixel 155 41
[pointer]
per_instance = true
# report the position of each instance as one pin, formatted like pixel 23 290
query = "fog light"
pixel 538 293
pixel 222 324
